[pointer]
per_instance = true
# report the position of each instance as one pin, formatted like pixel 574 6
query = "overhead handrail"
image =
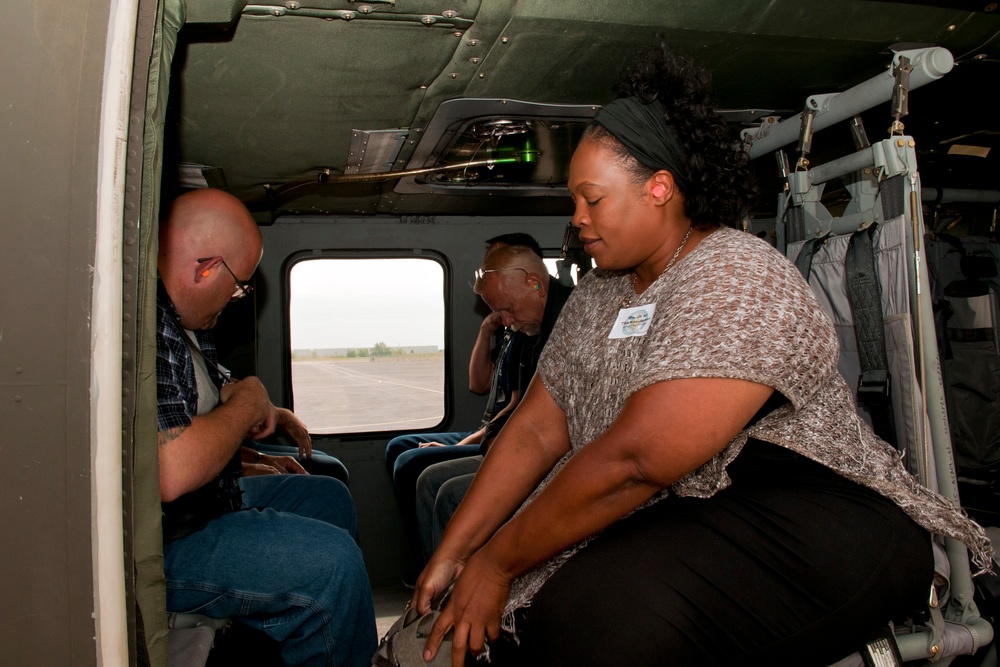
pixel 928 65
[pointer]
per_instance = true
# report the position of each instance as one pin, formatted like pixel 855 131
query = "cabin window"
pixel 552 263
pixel 367 339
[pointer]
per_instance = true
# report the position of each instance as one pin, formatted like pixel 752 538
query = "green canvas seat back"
pixel 967 308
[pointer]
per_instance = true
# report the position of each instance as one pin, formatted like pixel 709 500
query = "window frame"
pixel 361 254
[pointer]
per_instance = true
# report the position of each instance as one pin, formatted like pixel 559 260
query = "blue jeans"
pixel 407 443
pixel 405 460
pixel 320 463
pixel 440 489
pixel 291 570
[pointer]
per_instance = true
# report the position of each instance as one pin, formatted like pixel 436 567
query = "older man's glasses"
pixel 241 289
pixel 481 273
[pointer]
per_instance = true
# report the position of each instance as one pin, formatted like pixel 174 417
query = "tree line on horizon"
pixel 380 349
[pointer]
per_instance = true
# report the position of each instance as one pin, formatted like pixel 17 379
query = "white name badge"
pixel 633 321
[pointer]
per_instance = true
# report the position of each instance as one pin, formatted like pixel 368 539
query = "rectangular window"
pixel 367 339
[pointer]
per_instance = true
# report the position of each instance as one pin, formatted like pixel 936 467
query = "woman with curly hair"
pixel 687 480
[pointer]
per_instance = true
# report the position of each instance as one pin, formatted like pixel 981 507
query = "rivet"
pixel 504 40
pixel 449 13
pixel 900 143
pixel 423 87
pixel 347 16
pixel 18 370
pixel 979 56
pixel 473 42
pixel 482 76
pixel 365 9
pixel 474 61
pixel 453 75
pixel 457 33
pixel 428 20
pixel 292 4
pixel 952 27
pixel 912 143
pixel 278 11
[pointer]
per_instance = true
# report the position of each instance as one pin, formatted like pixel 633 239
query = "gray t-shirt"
pixel 732 308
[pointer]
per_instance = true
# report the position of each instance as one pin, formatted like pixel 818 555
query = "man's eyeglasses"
pixel 241 289
pixel 481 273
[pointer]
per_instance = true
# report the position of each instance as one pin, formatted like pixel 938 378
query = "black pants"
pixel 792 564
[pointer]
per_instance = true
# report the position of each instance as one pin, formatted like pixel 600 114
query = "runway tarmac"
pixel 347 395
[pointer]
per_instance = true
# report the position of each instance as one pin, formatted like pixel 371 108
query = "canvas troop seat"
pixel 967 307
pixel 869 271
pixel 191 638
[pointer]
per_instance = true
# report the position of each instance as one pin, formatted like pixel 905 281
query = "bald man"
pixel 273 551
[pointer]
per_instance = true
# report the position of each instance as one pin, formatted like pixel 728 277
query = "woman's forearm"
pixel 528 446
pixel 664 432
pixel 592 491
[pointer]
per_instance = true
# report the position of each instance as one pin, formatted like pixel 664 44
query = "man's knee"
pixel 396 446
pixel 311 496
pixel 339 502
pixel 451 494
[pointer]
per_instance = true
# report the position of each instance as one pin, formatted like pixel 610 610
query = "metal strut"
pixel 900 94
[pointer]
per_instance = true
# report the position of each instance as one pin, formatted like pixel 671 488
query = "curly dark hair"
pixel 720 186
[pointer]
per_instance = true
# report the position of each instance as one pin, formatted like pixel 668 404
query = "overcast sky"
pixel 355 303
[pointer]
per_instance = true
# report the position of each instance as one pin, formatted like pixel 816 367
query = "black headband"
pixel 642 128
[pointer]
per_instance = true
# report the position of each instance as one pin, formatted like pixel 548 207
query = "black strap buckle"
pixel 874 387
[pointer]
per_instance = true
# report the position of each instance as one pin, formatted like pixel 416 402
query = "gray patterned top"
pixel 736 308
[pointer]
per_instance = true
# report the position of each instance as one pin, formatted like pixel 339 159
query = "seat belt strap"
pixel 805 258
pixel 865 296
pixel 501 360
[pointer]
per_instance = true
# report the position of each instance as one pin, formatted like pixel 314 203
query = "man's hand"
pixel 293 426
pixel 431 444
pixel 284 464
pixel 252 392
pixel 481 362
pixel 264 464
pixel 491 323
pixel 254 469
pixel 265 427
